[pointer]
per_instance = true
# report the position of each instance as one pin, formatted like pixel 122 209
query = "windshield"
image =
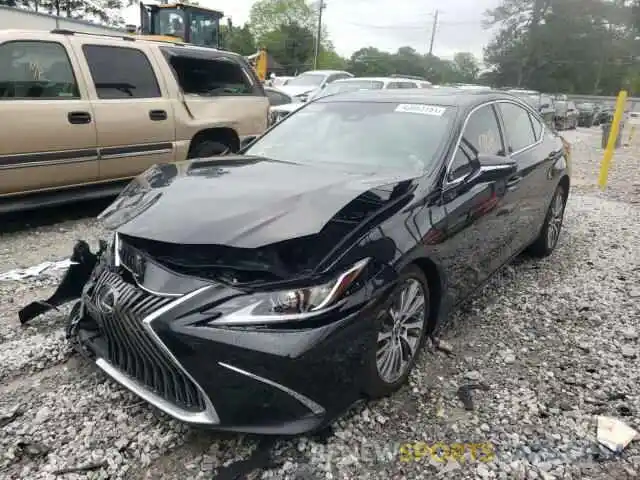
pixel 306 80
pixel 359 135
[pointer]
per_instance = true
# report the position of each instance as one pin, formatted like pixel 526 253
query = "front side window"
pixel 518 125
pixel 120 72
pixel 36 70
pixel 482 133
pixel 359 135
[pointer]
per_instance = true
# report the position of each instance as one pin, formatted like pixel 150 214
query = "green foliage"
pixel 571 46
pixel 267 16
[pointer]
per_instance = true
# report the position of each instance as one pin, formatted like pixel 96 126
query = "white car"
pixel 347 85
pixel 301 86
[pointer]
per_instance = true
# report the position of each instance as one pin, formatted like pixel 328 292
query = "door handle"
pixel 513 182
pixel 79 118
pixel 157 115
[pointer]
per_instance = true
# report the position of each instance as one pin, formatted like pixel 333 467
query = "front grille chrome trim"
pixel 307 402
pixel 209 415
pixel 143 392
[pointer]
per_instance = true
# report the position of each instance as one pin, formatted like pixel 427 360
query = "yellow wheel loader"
pixel 184 23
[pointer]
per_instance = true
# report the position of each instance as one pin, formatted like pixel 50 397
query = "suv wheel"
pixel 209 148
pixel 401 324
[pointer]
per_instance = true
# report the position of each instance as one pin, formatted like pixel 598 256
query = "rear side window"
pixel 211 77
pixel 36 70
pixel 518 125
pixel 120 72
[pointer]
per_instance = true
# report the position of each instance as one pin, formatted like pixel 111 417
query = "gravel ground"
pixel 550 345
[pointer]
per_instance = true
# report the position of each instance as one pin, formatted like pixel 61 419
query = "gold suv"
pixel 81 113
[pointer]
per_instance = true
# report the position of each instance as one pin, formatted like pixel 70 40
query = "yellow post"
pixel 611 143
pixel 261 64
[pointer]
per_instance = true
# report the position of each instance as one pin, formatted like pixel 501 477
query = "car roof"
pixel 323 72
pixel 440 96
pixel 124 37
pixel 379 79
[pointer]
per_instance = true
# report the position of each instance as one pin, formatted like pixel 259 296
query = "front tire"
pixel 546 242
pixel 401 324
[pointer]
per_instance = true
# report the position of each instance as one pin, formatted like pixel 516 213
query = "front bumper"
pixel 262 381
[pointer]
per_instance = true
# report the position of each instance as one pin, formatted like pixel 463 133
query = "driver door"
pixel 479 222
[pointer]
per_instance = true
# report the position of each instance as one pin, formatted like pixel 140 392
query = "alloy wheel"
pixel 555 218
pixel 401 331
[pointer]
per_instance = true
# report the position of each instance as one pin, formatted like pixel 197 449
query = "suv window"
pixel 518 125
pixel 36 70
pixel 121 72
pixel 482 133
pixel 211 77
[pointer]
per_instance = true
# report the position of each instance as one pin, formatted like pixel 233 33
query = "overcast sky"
pixel 389 24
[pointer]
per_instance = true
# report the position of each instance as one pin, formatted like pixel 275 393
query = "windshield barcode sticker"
pixel 420 108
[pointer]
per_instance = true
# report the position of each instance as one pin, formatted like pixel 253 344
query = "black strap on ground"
pixel 70 288
pixel 260 459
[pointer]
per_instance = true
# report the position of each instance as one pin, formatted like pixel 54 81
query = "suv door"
pixel 525 136
pixel 48 135
pixel 134 116
pixel 479 216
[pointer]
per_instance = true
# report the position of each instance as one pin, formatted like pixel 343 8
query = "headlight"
pixel 289 305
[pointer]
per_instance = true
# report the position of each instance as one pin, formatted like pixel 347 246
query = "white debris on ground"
pixel 544 351
pixel 44 268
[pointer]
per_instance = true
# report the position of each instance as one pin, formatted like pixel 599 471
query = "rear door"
pixel 525 138
pixel 48 134
pixel 134 116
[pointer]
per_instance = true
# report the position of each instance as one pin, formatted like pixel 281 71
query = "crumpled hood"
pixel 243 202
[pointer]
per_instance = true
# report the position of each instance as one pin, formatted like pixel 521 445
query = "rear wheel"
pixel 401 324
pixel 546 242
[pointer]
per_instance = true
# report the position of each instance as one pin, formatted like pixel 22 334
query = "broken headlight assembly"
pixel 289 305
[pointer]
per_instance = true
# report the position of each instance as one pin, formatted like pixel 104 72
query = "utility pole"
pixel 433 32
pixel 318 36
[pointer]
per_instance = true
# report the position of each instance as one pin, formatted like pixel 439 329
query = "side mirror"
pixel 492 168
pixel 247 141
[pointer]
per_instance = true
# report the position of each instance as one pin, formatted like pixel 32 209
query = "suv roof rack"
pixel 62 31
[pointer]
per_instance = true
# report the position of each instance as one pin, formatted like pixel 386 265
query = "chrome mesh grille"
pixel 131 348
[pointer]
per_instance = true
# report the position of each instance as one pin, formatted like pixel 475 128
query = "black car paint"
pixel 460 234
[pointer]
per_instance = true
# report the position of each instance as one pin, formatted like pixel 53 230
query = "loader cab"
pixel 188 23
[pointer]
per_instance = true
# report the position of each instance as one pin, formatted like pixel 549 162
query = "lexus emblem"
pixel 107 299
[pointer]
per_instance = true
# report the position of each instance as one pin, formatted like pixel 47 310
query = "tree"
pixel 466 67
pixel 573 46
pixel 292 46
pixel 267 16
pixel 238 39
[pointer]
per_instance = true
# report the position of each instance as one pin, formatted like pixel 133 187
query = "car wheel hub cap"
pixel 401 331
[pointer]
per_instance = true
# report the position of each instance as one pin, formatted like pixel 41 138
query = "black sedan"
pixel 268 291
